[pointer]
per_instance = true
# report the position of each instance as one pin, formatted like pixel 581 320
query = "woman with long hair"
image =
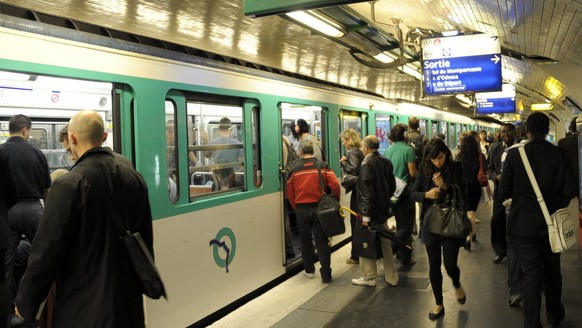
pixel 350 164
pixel 434 182
pixel 469 155
pixel 301 132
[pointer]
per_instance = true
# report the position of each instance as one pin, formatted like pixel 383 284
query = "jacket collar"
pixel 94 151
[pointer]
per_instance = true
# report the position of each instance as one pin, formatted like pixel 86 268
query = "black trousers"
pixel 6 307
pixel 354 223
pixel 308 222
pixel 450 256
pixel 540 268
pixel 404 213
pixel 499 228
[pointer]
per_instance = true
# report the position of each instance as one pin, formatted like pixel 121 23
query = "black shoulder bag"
pixel 328 210
pixel 449 220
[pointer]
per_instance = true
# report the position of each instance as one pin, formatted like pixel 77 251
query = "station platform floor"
pixel 307 303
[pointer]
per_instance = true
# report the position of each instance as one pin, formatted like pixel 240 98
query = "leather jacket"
pixel 375 186
pixel 351 168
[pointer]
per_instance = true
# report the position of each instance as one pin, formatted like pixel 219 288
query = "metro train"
pixel 216 242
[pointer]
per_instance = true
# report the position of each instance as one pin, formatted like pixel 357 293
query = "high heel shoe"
pixel 463 299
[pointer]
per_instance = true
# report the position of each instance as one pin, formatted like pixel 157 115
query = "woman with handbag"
pixel 436 180
pixel 350 164
pixel 469 156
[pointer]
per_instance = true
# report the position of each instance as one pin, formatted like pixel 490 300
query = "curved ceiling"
pixel 541 40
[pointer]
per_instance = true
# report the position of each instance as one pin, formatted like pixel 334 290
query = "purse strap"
pixel 534 184
pixel 321 182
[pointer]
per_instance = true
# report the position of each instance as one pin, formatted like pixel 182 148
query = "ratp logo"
pixel 223 239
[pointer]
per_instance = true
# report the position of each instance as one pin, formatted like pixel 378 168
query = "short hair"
pixel 224 124
pixel 397 132
pixel 538 124
pixel 64 133
pixel 441 136
pixel 19 122
pixel 352 137
pixel 509 126
pixel 413 123
pixel 306 147
pixel 371 142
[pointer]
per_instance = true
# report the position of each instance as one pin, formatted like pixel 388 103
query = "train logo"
pixel 219 242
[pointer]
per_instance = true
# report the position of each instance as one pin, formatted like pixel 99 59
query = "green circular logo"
pixel 219 242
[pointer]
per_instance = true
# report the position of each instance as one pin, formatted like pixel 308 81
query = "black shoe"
pixel 474 238
pixel 467 245
pixel 514 300
pixel 433 316
pixel 463 299
pixel 498 258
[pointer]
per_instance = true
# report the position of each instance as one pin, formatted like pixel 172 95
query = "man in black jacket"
pixel 375 186
pixel 526 225
pixel 76 244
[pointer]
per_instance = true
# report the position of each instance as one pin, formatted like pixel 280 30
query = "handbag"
pixel 366 243
pixel 560 224
pixel 481 176
pixel 448 221
pixel 400 187
pixel 328 211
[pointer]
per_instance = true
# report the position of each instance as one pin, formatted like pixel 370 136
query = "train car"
pixel 218 226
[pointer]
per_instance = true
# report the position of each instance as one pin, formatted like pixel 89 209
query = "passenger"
pixel 226 176
pixel 469 156
pixel 483 143
pixel 350 164
pixel 289 159
pixel 438 173
pixel 498 219
pixel 301 132
pixel 31 173
pixel 8 198
pixel 304 191
pixel 64 139
pixel 526 225
pixel 95 282
pixel 416 139
pixel 375 187
pixel 570 144
pixel 404 160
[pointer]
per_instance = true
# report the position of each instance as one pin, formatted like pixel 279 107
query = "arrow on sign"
pixel 495 59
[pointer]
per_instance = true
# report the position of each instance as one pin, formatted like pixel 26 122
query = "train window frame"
pixel 383 131
pixel 171 109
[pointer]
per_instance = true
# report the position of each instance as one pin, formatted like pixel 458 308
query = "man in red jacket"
pixel 304 192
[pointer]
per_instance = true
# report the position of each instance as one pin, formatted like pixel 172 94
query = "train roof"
pixel 540 42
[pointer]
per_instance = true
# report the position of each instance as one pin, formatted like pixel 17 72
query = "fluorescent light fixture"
pixel 410 70
pixel 317 22
pixel 386 57
pixel 450 33
pixel 541 106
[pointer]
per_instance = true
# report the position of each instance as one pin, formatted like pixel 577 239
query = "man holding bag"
pixel 526 224
pixel 376 185
pixel 304 192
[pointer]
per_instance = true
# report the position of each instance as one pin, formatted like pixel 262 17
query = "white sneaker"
pixel 363 282
pixel 309 275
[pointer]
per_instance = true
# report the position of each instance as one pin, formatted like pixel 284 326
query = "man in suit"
pixel 526 225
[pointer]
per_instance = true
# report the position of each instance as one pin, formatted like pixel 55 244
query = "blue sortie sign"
pixel 475 73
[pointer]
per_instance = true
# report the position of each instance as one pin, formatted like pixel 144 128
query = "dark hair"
pixel 224 124
pixel 413 123
pixel 303 128
pixel 434 147
pixel 306 147
pixel 469 151
pixel 397 132
pixel 19 122
pixel 64 133
pixel 538 125
pixel 509 126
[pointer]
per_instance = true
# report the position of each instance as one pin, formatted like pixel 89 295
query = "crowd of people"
pixel 417 170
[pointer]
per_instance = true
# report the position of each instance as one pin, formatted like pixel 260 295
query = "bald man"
pixel 77 246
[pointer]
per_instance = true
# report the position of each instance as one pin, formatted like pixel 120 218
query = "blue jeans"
pixel 308 222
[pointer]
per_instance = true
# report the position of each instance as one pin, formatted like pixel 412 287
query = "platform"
pixel 307 303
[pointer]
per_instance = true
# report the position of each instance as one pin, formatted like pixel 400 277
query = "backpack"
pixel 291 155
pixel 417 145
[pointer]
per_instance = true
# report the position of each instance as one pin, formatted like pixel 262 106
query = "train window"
pixel 434 128
pixel 350 120
pixel 459 131
pixel 383 126
pixel 215 147
pixel 444 131
pixel 171 154
pixel 452 136
pixel 422 127
pixel 290 113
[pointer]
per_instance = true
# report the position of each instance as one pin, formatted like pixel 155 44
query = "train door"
pixel 289 114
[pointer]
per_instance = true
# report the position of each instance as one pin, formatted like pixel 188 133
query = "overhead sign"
pixel 461 64
pixel 500 102
pixel 258 8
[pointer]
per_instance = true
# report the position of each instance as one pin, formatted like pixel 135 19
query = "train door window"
pixel 452 136
pixel 216 139
pixel 422 127
pixel 459 131
pixel 383 126
pixel 444 131
pixel 171 153
pixel 434 128
pixel 290 113
pixel 350 120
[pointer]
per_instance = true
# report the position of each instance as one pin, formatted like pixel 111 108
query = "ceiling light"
pixel 317 22
pixel 410 70
pixel 450 33
pixel 386 57
pixel 541 106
